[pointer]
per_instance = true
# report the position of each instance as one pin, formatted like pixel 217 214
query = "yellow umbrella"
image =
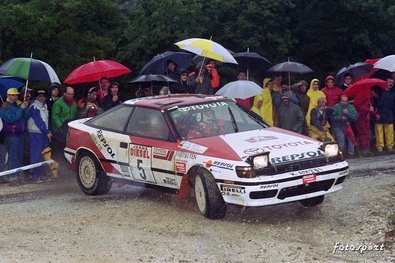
pixel 207 48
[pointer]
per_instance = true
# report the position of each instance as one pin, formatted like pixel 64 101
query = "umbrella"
pixel 29 69
pixel 251 60
pixel 151 78
pixel 386 63
pixel 157 65
pixel 348 132
pixel 357 70
pixel 95 70
pixel 206 48
pixel 363 86
pixel 240 89
pixel 290 67
pixel 7 82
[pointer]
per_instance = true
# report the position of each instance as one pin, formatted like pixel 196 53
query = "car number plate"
pixel 307 179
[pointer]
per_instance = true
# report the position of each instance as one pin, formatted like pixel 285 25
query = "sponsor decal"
pixel 276 147
pixel 308 171
pixel 296 156
pixel 102 144
pixel 268 186
pixel 163 154
pixel 193 147
pixel 184 155
pixel 252 151
pixel 261 139
pixel 234 190
pixel 223 165
pixel 181 167
pixel 139 151
pixel 203 106
pixel 309 178
pixel 170 181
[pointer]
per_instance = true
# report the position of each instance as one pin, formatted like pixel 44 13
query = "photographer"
pixel 90 106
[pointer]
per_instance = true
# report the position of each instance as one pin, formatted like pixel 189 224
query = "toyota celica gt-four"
pixel 204 143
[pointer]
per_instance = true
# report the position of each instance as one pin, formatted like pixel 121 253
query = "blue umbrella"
pixel 158 64
pixel 7 82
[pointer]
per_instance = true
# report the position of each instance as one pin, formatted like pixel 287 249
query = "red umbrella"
pixel 362 87
pixel 95 70
pixel 350 135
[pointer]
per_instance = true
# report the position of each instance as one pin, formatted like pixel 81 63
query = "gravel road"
pixel 55 222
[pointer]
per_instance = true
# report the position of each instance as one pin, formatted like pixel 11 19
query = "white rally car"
pixel 205 143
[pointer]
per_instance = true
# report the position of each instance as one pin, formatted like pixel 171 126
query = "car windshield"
pixel 212 119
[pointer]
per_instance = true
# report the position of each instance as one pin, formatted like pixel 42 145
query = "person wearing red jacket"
pixel 210 66
pixel 332 92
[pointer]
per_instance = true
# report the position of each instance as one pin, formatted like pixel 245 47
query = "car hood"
pixel 283 145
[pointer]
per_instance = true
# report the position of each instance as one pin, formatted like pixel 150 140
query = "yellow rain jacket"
pixel 314 96
pixel 266 109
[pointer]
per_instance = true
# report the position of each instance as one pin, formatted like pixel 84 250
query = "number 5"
pixel 142 173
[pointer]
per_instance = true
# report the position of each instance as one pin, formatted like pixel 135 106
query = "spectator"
pixel 104 86
pixel 144 92
pixel 200 80
pixel 91 104
pixel 113 98
pixel 342 115
pixel 263 102
pixel 213 72
pixel 54 95
pixel 63 110
pixel 14 114
pixel 319 126
pixel 3 152
pixel 383 103
pixel 182 84
pixel 171 70
pixel 164 90
pixel 39 133
pixel 290 116
pixel 348 80
pixel 248 102
pixel 314 94
pixel 332 92
pixel 278 82
pixel 304 100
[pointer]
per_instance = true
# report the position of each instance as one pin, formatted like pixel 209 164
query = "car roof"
pixel 168 101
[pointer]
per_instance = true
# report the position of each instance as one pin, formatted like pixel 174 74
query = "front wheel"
pixel 208 197
pixel 90 176
pixel 312 201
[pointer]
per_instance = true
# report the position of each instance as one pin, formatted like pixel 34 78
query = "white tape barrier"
pixel 28 167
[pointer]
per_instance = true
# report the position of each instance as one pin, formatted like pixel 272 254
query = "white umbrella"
pixel 240 89
pixel 386 63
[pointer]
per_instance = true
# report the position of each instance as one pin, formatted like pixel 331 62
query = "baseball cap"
pixel 12 91
pixel 41 91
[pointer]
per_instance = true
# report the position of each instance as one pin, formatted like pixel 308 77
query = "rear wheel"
pixel 208 197
pixel 90 176
pixel 312 201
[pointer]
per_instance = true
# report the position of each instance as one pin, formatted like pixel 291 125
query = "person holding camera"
pixel 90 106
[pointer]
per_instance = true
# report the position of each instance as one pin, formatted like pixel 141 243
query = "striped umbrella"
pixel 29 69
pixel 207 48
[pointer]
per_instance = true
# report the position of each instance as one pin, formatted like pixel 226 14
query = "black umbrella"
pixel 251 61
pixel 290 67
pixel 357 70
pixel 158 64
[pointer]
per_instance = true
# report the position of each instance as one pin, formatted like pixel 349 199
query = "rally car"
pixel 206 143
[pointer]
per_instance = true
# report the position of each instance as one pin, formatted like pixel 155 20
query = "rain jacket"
pixel 38 122
pixel 385 107
pixel 266 109
pixel 314 95
pixel 332 94
pixel 290 117
pixel 14 119
pixel 61 111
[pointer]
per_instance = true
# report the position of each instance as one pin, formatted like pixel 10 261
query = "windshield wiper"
pixel 233 120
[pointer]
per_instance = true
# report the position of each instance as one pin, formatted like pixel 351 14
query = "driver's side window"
pixel 147 122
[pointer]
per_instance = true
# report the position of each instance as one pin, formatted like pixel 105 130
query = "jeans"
pixel 341 140
pixel 3 153
pixel 15 154
pixel 38 142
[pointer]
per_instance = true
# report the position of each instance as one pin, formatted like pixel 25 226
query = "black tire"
pixel 312 201
pixel 90 176
pixel 208 197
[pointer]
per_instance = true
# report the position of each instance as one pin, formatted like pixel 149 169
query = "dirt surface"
pixel 56 222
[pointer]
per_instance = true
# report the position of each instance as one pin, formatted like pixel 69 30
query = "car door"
pixel 151 151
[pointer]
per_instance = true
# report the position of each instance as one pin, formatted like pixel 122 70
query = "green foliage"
pixel 323 35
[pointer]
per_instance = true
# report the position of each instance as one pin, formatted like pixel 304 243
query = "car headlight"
pixel 331 149
pixel 260 162
pixel 245 172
